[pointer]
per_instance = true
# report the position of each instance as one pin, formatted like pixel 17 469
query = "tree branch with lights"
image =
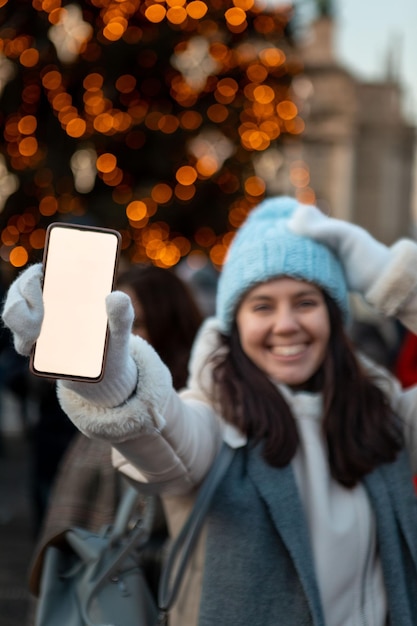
pixel 146 116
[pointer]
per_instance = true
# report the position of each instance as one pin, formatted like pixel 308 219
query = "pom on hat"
pixel 264 248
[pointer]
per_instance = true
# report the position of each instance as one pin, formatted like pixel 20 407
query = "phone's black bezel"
pixel 55 375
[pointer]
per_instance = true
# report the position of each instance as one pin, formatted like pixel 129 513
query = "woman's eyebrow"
pixel 307 292
pixel 252 298
pixel 297 294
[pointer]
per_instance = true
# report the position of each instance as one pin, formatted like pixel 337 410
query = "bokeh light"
pixel 145 116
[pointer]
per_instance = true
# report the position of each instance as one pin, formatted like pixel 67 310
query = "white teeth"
pixel 288 350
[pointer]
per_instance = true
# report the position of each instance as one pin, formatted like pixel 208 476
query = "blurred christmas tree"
pixel 148 116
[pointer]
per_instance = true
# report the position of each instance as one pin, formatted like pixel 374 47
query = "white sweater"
pixel 341 526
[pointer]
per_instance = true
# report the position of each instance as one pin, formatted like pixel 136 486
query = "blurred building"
pixel 357 149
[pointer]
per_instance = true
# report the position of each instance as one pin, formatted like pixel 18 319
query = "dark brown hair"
pixel 172 315
pixel 359 425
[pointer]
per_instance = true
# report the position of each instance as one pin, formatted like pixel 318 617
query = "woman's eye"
pixel 307 303
pixel 261 307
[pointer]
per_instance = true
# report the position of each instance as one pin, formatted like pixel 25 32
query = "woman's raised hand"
pixel 120 372
pixel 363 257
pixel 23 308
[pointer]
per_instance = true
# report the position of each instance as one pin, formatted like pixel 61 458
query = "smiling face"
pixel 284 328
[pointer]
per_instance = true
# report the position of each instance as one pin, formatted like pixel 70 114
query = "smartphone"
pixel 79 270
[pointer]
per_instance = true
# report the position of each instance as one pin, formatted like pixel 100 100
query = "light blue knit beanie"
pixel 264 248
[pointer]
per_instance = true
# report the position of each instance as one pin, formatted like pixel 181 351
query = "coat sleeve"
pixel 173 458
pixel 403 402
pixel 164 440
pixel 395 295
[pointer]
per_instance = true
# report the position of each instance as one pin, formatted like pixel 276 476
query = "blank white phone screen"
pixel 79 273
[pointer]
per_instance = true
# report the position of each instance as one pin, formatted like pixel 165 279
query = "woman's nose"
pixel 285 321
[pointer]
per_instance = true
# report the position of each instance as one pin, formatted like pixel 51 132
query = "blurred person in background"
pixel 405 367
pixel 406 362
pixel 31 406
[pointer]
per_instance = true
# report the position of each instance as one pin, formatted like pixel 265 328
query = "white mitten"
pixel 23 308
pixel 120 372
pixel 363 257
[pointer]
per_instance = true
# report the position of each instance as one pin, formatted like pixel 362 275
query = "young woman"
pixel 315 522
